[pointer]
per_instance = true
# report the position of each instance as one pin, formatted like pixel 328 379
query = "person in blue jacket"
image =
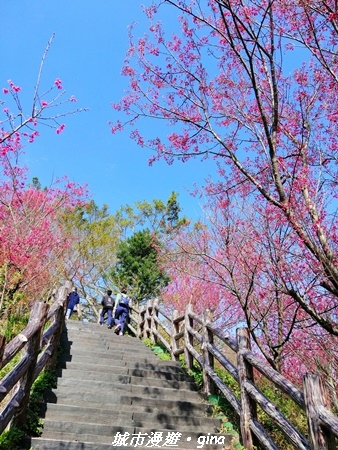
pixel 73 300
pixel 121 311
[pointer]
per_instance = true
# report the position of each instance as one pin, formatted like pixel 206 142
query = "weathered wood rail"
pixel 195 337
pixel 38 348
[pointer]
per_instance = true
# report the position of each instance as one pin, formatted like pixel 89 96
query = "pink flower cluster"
pixel 60 129
pixel 58 83
pixel 13 88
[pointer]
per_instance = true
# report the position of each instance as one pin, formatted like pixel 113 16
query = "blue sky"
pixel 91 39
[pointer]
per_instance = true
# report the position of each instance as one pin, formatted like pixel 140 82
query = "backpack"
pixel 108 302
pixel 124 300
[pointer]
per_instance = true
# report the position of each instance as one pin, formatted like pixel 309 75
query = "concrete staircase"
pixel 111 385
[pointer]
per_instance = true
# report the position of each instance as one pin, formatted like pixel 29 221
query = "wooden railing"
pixel 38 348
pixel 195 337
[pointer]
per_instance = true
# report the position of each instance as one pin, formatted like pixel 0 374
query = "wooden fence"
pixel 38 344
pixel 196 337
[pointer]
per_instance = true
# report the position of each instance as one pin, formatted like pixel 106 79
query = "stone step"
pixel 92 376
pixel 82 398
pixel 93 386
pixel 151 380
pixel 52 444
pixel 109 359
pixel 53 409
pixel 98 332
pixel 161 372
pixel 64 366
pixel 181 407
pixel 133 418
pixel 108 392
pixel 169 421
pixel 110 385
pixel 111 355
pixel 127 401
pixel 107 348
pixel 152 365
pixel 100 339
pixel 56 444
pixel 109 338
pixel 112 372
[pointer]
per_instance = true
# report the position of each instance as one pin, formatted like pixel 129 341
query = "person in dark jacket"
pixel 73 300
pixel 107 308
pixel 121 315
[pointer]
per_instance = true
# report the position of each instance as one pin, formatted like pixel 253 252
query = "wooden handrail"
pixel 195 337
pixel 198 339
pixel 39 350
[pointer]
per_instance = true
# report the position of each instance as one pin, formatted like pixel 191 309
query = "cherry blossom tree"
pixel 252 86
pixel 235 265
pixel 33 242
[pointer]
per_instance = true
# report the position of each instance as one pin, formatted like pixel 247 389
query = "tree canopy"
pixel 252 86
pixel 137 266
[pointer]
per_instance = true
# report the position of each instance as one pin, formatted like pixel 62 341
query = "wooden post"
pixel 59 318
pixel 147 321
pixel 2 347
pixel 175 329
pixel 208 338
pixel 245 372
pixel 153 323
pixel 65 289
pixel 31 350
pixel 140 323
pixel 316 396
pixel 79 311
pixel 188 338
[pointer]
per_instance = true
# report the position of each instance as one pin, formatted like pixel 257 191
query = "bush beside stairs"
pixel 110 385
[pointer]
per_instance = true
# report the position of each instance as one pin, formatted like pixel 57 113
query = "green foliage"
pixel 98 234
pixel 13 325
pixel 287 407
pixel 14 361
pixel 137 266
pixel 11 439
pixel 33 423
pixel 230 421
pixel 197 375
pixel 10 328
pixel 147 342
pixel 94 253
pixel 12 298
pixel 221 411
pixel 158 349
pixel 157 217
pixel 161 352
pixel 228 380
pixel 36 183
